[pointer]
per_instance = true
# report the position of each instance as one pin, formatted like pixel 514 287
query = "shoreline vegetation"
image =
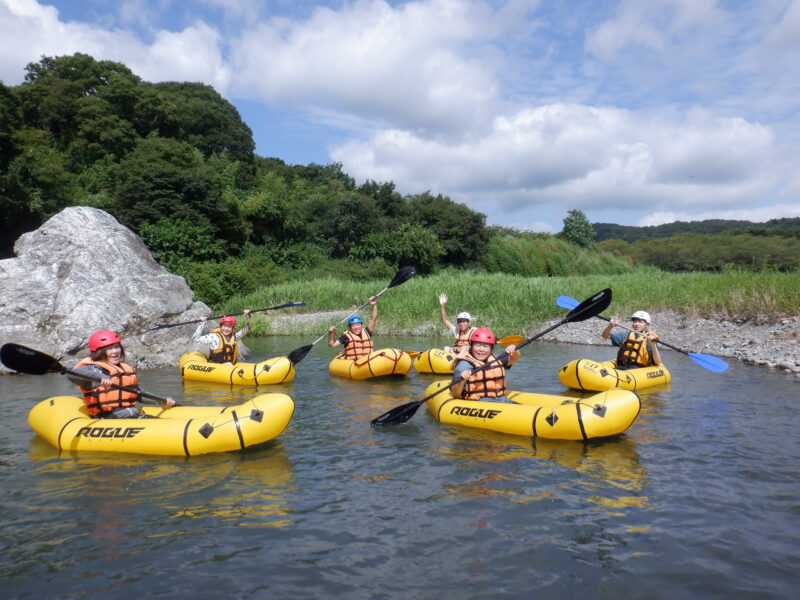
pixel 753 316
pixel 512 303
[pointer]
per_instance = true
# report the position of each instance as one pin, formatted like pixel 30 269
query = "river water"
pixel 700 498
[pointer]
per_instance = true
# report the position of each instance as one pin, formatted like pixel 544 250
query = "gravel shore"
pixel 775 345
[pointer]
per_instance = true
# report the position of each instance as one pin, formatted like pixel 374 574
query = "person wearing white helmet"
pixel 463 328
pixel 637 348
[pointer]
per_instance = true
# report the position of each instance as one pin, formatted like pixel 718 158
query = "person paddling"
pixel 222 342
pixel 463 328
pixel 106 361
pixel 637 348
pixel 357 340
pixel 488 383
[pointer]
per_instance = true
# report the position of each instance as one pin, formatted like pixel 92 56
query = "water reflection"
pixel 249 488
pixel 605 466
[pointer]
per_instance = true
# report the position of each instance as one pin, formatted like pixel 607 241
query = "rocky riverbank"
pixel 775 345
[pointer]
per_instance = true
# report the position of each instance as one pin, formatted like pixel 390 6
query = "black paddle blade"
pixel 398 415
pixel 298 354
pixel 590 307
pixel 403 275
pixel 27 360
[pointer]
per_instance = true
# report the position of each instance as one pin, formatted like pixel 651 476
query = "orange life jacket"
pixel 462 339
pixel 226 351
pixel 358 346
pixel 633 352
pixel 487 383
pixel 104 399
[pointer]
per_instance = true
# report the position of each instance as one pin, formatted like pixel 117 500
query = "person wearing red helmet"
pixel 357 340
pixel 488 383
pixel 106 361
pixel 463 328
pixel 222 341
pixel 637 348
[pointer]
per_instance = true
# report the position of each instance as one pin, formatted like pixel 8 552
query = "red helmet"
pixel 103 338
pixel 483 335
pixel 228 321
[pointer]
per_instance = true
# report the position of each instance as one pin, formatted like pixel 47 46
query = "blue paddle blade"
pixel 567 302
pixel 710 363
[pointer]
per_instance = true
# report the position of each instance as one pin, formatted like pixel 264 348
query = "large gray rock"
pixel 82 271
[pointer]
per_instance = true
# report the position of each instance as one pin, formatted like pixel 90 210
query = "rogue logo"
pixel 200 368
pixel 481 413
pixel 108 432
pixel 654 374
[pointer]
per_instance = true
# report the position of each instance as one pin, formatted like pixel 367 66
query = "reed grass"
pixel 511 304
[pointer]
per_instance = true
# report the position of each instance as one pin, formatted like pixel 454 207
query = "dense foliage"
pixel 696 252
pixel 788 227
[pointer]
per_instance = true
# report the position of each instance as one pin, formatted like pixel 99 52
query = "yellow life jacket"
pixel 104 399
pixel 358 345
pixel 633 352
pixel 226 351
pixel 462 339
pixel 487 383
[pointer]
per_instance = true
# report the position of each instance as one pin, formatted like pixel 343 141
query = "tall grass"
pixel 513 304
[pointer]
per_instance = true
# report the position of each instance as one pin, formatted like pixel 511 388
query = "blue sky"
pixel 634 112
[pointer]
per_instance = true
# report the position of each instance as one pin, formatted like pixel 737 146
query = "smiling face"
pixel 113 354
pixel 463 324
pixel 355 328
pixel 226 329
pixel 481 351
pixel 639 324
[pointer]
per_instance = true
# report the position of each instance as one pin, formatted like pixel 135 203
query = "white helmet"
pixel 640 314
pixel 464 315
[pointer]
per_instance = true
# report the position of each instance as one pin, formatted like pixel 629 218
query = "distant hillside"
pixel 789 227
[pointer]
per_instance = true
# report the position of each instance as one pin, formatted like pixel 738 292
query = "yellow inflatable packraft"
pixel 435 361
pixel 386 361
pixel 540 415
pixel 194 365
pixel 177 431
pixel 585 374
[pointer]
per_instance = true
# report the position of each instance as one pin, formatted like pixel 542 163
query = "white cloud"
pixel 416 66
pixel 578 156
pixel 30 30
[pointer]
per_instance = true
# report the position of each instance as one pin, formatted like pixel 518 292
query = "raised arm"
pixel 443 311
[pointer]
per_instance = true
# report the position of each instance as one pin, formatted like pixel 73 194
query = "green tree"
pixel 577 229
pixel 168 179
pixel 461 231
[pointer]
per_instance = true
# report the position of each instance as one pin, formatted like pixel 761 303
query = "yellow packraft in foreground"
pixel 177 431
pixel 540 415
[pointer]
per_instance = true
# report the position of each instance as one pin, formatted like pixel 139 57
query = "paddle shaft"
pixel 639 332
pixel 168 325
pixel 126 388
pixel 402 275
pixel 351 314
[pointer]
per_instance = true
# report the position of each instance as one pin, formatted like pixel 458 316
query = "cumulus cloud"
pixel 409 65
pixel 30 30
pixel 578 156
